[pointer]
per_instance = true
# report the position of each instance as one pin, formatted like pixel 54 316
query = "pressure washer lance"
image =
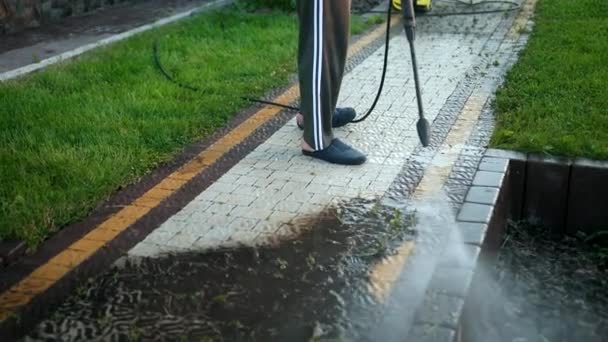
pixel 409 24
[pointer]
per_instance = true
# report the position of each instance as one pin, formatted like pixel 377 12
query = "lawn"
pixel 555 99
pixel 75 133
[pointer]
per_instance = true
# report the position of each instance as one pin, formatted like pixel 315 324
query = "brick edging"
pixel 440 316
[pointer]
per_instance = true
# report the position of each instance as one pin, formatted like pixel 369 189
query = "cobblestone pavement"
pixel 275 184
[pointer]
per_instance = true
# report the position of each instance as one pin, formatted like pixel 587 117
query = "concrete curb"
pixel 107 41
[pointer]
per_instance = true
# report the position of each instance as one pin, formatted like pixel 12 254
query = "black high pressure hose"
pixel 514 6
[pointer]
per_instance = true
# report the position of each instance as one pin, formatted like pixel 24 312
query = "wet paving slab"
pixel 329 283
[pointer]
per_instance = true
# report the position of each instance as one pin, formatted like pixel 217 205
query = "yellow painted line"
pixel 384 274
pixel 521 21
pixel 47 274
pixel 437 173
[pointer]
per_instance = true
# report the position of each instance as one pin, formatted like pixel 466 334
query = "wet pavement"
pixel 317 286
pixel 282 247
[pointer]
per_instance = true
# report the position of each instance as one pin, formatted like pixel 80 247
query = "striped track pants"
pixel 322 50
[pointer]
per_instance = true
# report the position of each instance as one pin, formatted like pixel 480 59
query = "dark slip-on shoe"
pixel 338 153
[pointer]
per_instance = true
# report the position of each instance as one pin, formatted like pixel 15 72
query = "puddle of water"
pixel 541 288
pixel 324 284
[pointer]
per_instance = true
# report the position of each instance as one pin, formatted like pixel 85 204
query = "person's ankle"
pixel 307 147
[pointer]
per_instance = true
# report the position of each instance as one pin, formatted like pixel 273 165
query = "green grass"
pixel 76 132
pixel 73 134
pixel 359 24
pixel 555 99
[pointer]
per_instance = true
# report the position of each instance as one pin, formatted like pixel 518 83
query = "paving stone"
pixel 184 239
pixel 220 208
pixel 451 281
pixel 486 178
pixel 209 194
pixel 242 224
pixel 312 208
pixel 232 199
pixel 460 256
pixel 269 204
pixel 473 212
pixel 253 212
pixel 440 309
pixel 245 180
pixel 160 236
pixel 220 188
pixel 294 186
pixel 173 225
pixel 482 195
pixel 213 238
pixel 288 206
pixel 494 164
pixel 249 190
pixel 145 250
pixel 505 154
pixel 230 178
pixel 280 216
pixel 259 174
pixel 321 198
pixel 470 233
pixel 275 184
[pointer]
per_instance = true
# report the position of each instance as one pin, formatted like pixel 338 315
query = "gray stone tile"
pixel 470 233
pixel 460 256
pixel 144 249
pixel 440 309
pixel 486 178
pixel 505 154
pixel 451 281
pixel 494 164
pixel 482 195
pixel 473 212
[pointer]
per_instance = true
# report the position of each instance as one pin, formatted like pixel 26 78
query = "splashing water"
pixel 436 235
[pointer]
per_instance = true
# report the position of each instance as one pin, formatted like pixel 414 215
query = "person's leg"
pixel 341 117
pixel 323 45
